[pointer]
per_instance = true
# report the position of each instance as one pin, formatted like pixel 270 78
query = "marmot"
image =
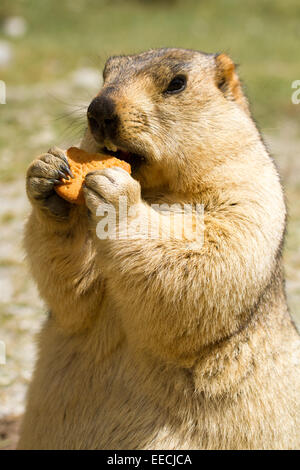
pixel 151 343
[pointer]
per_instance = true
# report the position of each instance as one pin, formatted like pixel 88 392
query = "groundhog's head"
pixel 170 113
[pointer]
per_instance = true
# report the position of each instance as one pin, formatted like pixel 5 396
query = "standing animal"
pixel 157 343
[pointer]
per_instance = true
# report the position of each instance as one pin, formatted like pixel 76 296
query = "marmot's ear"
pixel 228 81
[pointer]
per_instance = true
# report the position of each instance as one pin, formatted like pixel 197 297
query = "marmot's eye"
pixel 177 85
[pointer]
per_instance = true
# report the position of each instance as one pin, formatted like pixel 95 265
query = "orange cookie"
pixel 81 163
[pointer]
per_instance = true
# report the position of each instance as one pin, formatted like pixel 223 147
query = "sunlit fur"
pixel 150 344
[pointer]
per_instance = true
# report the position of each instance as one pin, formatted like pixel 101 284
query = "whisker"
pixel 56 98
pixel 80 117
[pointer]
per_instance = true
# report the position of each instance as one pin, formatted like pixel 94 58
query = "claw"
pixel 56 182
pixel 68 166
pixel 65 158
pixel 62 175
pixel 67 171
pixel 62 155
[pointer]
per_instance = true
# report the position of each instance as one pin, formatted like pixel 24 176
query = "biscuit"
pixel 81 163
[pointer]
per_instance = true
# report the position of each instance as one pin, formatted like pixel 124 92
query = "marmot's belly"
pixel 95 407
pixel 78 402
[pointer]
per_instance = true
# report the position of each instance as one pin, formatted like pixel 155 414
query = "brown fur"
pixel 150 344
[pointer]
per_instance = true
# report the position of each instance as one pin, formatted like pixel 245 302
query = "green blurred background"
pixel 51 56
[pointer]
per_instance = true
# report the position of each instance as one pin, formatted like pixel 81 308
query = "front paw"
pixel 110 187
pixel 42 175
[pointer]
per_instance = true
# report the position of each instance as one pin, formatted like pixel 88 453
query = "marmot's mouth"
pixel 135 160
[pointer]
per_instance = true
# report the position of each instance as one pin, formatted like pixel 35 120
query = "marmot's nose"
pixel 102 117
